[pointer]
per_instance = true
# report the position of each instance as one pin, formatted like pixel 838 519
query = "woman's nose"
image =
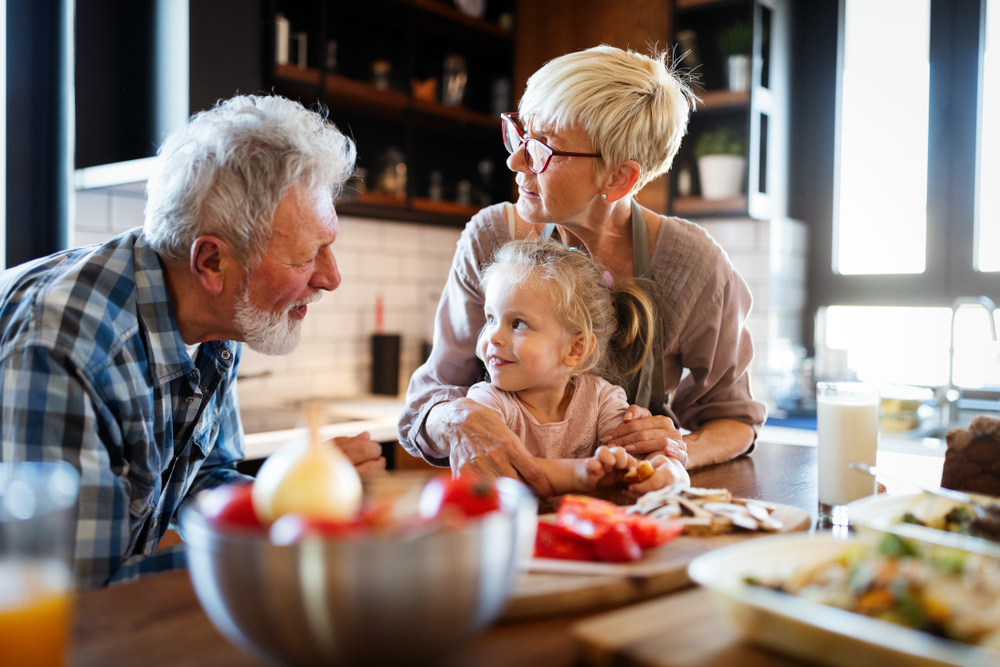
pixel 517 160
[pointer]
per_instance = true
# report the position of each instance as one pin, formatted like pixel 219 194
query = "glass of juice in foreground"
pixel 847 415
pixel 37 534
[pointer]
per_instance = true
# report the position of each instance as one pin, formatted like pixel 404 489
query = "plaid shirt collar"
pixel 155 313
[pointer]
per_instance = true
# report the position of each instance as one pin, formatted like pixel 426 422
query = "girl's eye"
pixel 520 324
pixel 489 319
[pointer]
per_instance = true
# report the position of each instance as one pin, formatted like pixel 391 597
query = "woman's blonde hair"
pixel 621 317
pixel 632 106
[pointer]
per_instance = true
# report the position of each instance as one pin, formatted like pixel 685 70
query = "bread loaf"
pixel 972 461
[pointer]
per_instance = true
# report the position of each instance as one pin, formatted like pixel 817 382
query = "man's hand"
pixel 365 454
pixel 477 440
pixel 641 434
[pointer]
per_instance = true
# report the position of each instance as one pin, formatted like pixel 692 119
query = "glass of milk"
pixel 847 430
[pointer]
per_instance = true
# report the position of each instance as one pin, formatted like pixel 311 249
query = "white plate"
pixel 807 629
pixel 885 513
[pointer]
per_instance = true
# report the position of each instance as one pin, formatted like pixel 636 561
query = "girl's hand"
pixel 641 433
pixel 604 462
pixel 666 471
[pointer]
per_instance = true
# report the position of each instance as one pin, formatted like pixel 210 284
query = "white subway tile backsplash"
pixel 93 213
pixel 733 235
pixel 126 212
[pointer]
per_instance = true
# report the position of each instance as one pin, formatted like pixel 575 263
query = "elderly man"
pixel 121 358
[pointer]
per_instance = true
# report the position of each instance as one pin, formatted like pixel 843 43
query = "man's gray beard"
pixel 273 334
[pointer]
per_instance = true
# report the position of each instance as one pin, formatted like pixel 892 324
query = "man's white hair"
pixel 632 106
pixel 225 171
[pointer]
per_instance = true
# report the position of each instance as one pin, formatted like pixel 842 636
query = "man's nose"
pixel 327 275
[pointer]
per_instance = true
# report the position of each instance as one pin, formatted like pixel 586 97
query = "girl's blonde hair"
pixel 622 318
pixel 632 106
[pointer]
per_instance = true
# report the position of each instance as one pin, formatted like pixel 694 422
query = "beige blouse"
pixel 704 305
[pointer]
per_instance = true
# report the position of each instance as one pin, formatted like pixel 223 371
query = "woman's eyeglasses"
pixel 536 154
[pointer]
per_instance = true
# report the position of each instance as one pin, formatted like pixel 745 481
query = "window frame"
pixel 957 40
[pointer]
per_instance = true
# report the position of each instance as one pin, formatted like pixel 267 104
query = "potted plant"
pixel 722 161
pixel 735 43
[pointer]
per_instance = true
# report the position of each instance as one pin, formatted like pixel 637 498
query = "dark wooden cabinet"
pixel 759 113
pixel 460 142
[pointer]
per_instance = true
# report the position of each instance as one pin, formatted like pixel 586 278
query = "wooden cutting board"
pixel 682 630
pixel 576 586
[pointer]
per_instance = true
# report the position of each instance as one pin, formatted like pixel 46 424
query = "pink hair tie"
pixel 609 279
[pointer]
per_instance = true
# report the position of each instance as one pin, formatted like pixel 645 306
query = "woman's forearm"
pixel 717 441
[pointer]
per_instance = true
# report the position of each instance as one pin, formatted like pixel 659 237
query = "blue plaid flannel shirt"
pixel 94 372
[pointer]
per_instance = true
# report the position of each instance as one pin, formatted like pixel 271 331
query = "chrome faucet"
pixel 949 399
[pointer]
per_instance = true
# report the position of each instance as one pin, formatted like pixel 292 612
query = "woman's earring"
pixel 604 197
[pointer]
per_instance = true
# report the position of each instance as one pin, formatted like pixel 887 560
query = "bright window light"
pixel 912 345
pixel 988 236
pixel 882 176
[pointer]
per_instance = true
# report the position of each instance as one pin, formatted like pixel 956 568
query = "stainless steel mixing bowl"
pixel 369 601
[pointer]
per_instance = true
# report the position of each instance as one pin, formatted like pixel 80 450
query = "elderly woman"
pixel 592 129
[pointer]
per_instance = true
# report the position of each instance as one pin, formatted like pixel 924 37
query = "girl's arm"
pixel 604 468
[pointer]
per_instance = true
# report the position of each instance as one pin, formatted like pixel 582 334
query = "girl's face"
pixel 567 190
pixel 524 345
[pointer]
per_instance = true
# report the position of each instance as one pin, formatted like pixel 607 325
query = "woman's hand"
pixel 477 440
pixel 641 434
pixel 364 453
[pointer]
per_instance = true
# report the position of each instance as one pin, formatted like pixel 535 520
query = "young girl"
pixel 554 329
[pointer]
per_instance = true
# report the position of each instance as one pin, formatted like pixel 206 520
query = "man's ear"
pixel 211 263
pixel 620 180
pixel 579 350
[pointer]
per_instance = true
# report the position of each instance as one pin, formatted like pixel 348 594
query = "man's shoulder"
pixel 74 302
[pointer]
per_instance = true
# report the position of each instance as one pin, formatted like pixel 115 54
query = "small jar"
pixel 380 74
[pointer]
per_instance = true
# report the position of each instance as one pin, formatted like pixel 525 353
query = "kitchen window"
pixel 916 195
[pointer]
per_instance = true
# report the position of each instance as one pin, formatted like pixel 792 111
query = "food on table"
pixel 586 528
pixel 231 505
pixel 308 477
pixel 706 511
pixel 946 592
pixel 458 501
pixel 972 461
pixel 640 473
pixel 954 517
pixel 467 494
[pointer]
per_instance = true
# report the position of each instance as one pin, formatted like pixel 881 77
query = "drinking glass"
pixel 847 415
pixel 37 535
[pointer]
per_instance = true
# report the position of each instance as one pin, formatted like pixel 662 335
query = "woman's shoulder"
pixel 486 231
pixel 687 255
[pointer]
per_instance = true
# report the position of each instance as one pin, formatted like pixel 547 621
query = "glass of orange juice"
pixel 37 534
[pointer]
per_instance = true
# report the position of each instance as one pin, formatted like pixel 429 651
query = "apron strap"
pixel 647 388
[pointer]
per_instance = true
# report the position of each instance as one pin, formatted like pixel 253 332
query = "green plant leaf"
pixel 722 141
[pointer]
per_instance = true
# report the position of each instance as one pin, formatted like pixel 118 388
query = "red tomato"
pixel 554 541
pixel 230 505
pixel 292 528
pixel 650 532
pixel 468 493
pixel 616 544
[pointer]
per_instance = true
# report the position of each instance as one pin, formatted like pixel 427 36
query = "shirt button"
pixel 189 400
pixel 193 375
pixel 154 523
pixel 203 389
pixel 225 354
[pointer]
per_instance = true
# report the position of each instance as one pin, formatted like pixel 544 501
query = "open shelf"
pixel 345 93
pixel 722 99
pixel 699 206
pixel 452 14
pixel 415 209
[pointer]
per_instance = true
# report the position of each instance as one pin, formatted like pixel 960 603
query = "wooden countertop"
pixel 158 621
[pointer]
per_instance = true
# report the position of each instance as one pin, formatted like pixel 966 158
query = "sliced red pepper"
pixel 616 545
pixel 555 541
